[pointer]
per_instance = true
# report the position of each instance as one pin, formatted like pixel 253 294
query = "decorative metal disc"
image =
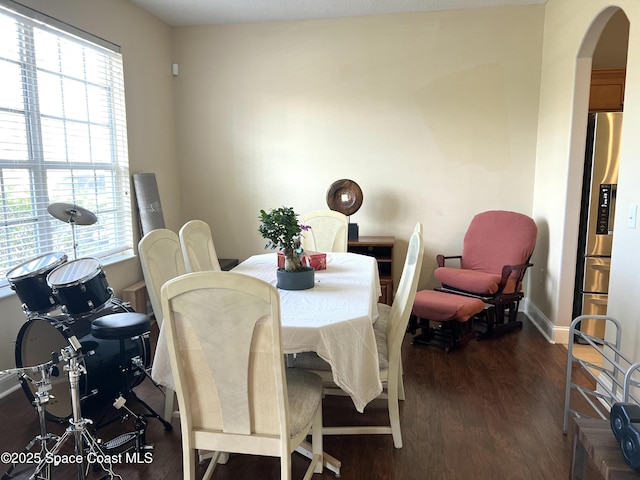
pixel 344 196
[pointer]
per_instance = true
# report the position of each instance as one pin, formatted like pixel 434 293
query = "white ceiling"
pixel 205 12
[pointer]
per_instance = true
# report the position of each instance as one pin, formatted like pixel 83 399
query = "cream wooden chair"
pixel 161 259
pixel 198 249
pixel 225 349
pixel 328 233
pixel 384 313
pixel 389 328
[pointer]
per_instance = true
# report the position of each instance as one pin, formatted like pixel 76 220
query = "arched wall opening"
pixel 583 75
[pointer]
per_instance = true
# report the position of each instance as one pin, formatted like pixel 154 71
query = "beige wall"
pixel 571 30
pixel 433 115
pixel 145 43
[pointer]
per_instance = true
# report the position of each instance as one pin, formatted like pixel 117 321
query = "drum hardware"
pixel 141 370
pixel 136 439
pixel 138 436
pixel 128 327
pixel 77 430
pixel 85 446
pixel 73 215
pixel 41 399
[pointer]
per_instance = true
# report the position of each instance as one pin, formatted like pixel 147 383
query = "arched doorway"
pixel 600 71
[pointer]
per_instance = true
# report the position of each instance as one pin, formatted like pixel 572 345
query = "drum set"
pixel 74 318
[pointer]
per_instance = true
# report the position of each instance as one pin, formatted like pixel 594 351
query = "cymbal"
pixel 69 213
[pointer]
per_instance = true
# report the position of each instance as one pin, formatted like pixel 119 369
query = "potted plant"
pixel 281 228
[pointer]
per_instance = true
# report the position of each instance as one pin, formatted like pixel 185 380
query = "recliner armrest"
pixel 442 258
pixel 507 270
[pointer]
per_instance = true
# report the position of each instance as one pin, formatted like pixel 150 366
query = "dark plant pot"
pixel 296 280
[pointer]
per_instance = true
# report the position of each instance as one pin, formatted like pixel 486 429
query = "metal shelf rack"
pixel 617 378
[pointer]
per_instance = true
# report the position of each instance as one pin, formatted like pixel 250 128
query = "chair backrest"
pixel 497 238
pixel 405 295
pixel 197 247
pixel 161 259
pixel 328 233
pixel 224 339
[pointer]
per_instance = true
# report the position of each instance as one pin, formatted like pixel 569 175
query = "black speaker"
pixel 630 445
pixel 623 414
pixel 353 231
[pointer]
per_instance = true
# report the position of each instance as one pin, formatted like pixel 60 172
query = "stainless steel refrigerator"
pixel 596 218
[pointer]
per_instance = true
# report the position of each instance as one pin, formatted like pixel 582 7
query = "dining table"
pixel 334 319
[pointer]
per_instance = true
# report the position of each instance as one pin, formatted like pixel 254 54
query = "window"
pixel 62 140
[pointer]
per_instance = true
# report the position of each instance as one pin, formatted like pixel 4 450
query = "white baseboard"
pixel 551 332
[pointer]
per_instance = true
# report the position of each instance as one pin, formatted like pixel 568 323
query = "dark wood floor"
pixel 492 410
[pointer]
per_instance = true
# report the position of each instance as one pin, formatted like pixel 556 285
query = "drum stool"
pixel 120 326
pixel 443 319
pixel 123 326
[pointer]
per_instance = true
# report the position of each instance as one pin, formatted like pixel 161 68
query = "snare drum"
pixel 80 285
pixel 29 281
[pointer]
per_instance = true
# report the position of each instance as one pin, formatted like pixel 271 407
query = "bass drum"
pixel 105 375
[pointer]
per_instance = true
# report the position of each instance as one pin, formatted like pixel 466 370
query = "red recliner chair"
pixel 496 251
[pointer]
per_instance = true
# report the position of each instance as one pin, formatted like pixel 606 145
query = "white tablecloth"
pixel 334 319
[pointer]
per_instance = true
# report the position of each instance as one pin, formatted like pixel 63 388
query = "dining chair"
pixel 234 392
pixel 198 250
pixel 389 329
pixel 161 259
pixel 328 232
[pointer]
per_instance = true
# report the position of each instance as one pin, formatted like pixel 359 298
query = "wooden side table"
pixel 595 446
pixel 382 249
pixel 136 296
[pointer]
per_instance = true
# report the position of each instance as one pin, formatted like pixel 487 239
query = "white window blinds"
pixel 62 140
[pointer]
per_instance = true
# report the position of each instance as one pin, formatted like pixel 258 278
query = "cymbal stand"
pixel 41 399
pixel 78 429
pixel 72 222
